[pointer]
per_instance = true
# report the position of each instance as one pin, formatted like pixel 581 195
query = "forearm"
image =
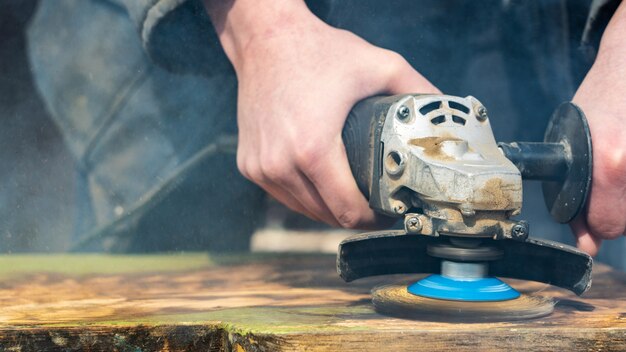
pixel 606 80
pixel 238 22
pixel 613 43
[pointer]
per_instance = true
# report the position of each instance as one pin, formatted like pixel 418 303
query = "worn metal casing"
pixel 439 155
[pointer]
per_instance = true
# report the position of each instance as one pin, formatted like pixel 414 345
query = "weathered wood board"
pixel 197 302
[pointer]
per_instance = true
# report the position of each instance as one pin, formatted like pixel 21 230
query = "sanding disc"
pixel 484 289
pixel 395 300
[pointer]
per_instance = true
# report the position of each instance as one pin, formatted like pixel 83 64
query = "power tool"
pixel 433 161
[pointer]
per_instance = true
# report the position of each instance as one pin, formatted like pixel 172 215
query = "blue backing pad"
pixel 475 290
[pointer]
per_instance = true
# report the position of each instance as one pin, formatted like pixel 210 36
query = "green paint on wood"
pixel 271 320
pixel 15 265
pixel 253 320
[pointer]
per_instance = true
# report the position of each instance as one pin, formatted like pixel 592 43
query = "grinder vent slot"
pixel 430 107
pixel 438 120
pixel 458 106
pixel 459 120
pixel 455 112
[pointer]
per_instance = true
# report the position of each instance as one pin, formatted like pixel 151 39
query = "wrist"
pixel 242 22
pixel 612 50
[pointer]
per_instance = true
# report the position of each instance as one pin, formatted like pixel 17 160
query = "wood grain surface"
pixel 197 302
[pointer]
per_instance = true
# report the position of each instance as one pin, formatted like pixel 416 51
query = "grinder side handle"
pixel 564 162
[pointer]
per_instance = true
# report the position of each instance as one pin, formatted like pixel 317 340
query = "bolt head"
pixel 519 231
pixel 481 113
pixel 403 112
pixel 399 208
pixel 413 223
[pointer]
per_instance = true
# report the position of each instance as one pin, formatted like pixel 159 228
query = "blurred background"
pixel 36 169
pixel 37 172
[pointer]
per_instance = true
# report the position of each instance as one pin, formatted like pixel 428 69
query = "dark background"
pixel 36 171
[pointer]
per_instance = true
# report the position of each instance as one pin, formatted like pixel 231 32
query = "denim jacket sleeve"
pixel 178 34
pixel 600 13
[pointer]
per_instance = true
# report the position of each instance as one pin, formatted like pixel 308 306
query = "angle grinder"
pixel 433 161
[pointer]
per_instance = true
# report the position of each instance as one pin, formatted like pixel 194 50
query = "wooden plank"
pixel 194 302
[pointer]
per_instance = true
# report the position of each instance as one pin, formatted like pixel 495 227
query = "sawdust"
pixel 433 146
pixel 495 195
pixel 394 300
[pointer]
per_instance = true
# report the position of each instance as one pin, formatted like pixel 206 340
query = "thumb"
pixel 407 80
pixel 585 241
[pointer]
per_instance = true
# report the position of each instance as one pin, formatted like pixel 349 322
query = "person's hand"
pixel 602 97
pixel 298 79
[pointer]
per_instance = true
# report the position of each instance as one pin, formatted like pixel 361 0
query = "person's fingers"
pixel 287 199
pixel 253 172
pixel 606 212
pixel 585 240
pixel 328 169
pixel 300 188
pixel 329 172
pixel 277 174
